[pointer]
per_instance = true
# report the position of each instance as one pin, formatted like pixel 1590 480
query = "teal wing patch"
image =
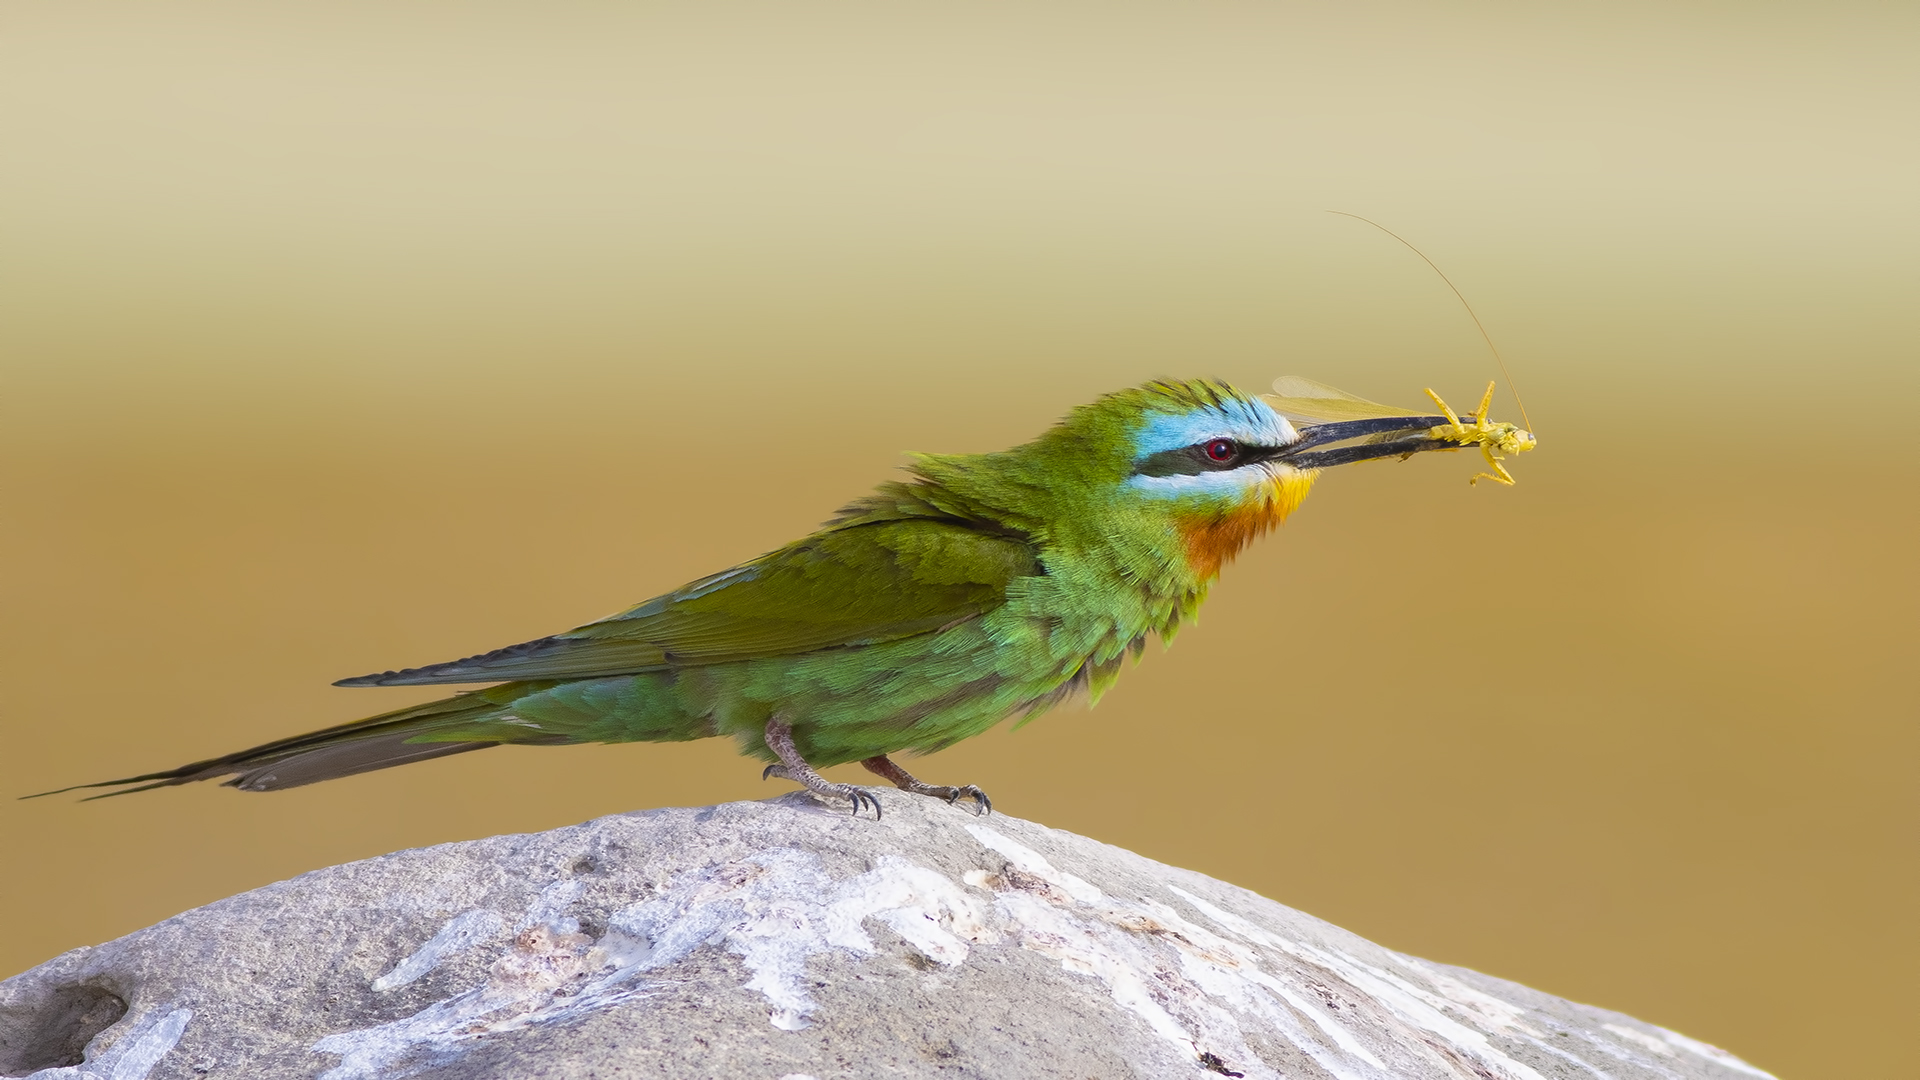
pixel 861 583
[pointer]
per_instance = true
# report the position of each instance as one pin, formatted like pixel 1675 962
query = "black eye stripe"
pixel 1193 460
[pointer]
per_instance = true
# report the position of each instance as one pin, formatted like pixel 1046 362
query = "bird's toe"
pixel 981 804
pixel 861 797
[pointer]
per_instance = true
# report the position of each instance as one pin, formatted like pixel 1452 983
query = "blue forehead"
pixel 1243 421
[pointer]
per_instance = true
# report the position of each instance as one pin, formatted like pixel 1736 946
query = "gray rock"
pixel 784 939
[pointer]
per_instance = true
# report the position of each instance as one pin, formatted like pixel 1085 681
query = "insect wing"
pixel 1298 398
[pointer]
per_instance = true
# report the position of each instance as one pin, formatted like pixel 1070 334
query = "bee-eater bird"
pixel 984 587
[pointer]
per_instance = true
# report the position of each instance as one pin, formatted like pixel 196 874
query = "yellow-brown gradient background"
pixel 371 335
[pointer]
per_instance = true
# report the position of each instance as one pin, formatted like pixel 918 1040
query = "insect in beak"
pixel 1337 428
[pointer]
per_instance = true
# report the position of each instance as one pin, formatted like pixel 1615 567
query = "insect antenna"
pixel 1488 338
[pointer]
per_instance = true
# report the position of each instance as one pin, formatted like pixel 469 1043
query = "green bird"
pixel 981 588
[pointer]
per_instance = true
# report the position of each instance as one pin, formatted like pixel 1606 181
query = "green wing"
pixel 856 583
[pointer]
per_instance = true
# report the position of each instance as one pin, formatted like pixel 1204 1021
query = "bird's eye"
pixel 1221 450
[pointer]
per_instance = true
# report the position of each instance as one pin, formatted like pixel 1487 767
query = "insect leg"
pixel 1447 409
pixel 1499 475
pixel 1486 402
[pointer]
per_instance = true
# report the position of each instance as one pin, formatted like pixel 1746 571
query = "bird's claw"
pixel 982 806
pixel 861 797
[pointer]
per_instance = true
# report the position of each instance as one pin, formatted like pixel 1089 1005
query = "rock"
pixel 786 940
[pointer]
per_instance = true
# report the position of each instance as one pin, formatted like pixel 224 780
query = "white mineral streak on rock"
pixel 776 911
pixel 469 928
pixel 535 980
pixel 550 907
pixel 779 910
pixel 1245 966
pixel 1027 860
pixel 134 1056
pixel 1641 1038
pixel 1126 946
pixel 1420 1008
pixel 1426 1009
pixel 1484 1009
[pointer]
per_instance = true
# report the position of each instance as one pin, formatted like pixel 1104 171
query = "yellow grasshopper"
pixel 1493 439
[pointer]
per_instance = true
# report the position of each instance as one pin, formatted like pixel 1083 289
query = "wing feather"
pixel 860 582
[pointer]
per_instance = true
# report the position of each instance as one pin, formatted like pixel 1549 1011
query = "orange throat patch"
pixel 1213 539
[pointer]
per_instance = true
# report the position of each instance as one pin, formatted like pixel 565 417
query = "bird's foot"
pixel 860 797
pixel 795 768
pixel 906 781
pixel 982 805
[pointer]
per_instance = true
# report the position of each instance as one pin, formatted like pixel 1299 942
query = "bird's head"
pixel 1188 471
pixel 1199 458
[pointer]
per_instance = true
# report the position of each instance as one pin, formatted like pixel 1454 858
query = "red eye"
pixel 1221 450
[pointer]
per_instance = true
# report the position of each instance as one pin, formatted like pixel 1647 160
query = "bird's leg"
pixel 795 768
pixel 906 781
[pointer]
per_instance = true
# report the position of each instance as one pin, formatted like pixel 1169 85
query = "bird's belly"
pixel 925 694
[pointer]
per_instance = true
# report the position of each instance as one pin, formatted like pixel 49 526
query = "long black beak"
pixel 1379 437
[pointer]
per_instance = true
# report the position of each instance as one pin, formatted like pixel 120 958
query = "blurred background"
pixel 365 335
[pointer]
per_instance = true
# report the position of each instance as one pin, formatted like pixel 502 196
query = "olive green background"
pixel 354 336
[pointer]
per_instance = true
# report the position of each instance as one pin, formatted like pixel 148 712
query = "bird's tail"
pixel 417 733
